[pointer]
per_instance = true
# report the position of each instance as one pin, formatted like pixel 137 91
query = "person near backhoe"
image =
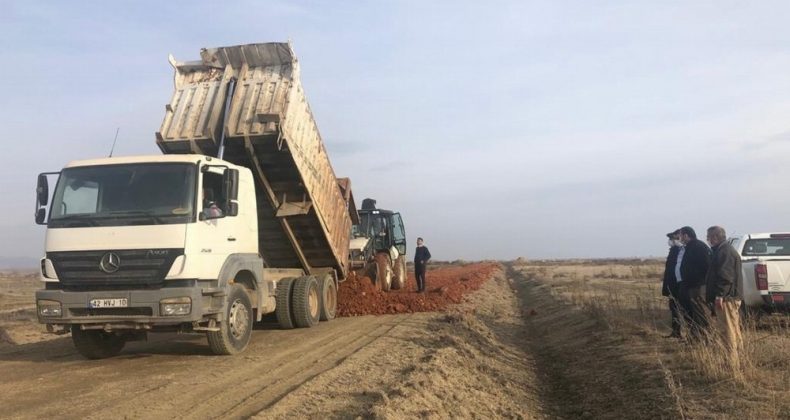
pixel 721 291
pixel 691 270
pixel 421 258
pixel 670 287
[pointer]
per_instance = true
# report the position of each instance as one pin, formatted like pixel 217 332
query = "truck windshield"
pixel 767 247
pixel 123 195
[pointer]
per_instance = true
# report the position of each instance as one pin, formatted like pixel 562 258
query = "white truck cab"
pixel 145 243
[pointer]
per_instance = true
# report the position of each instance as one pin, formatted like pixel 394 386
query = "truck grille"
pixel 125 269
pixel 111 311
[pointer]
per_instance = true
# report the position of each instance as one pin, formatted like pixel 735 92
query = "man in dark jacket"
pixel 421 258
pixel 691 269
pixel 722 283
pixel 670 287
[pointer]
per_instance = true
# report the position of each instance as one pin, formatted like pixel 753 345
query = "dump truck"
pixel 378 246
pixel 241 216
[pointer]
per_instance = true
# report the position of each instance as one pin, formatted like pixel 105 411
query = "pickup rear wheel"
pixel 399 279
pixel 236 327
pixel 305 302
pixel 96 344
pixel 328 289
pixel 383 271
pixel 283 310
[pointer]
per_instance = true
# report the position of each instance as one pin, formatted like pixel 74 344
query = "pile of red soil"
pixel 444 286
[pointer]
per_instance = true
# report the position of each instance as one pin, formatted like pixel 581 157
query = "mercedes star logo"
pixel 110 263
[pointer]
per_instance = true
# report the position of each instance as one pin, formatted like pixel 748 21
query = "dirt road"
pixel 531 342
pixel 468 361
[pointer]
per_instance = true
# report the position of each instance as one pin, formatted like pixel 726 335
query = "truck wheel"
pixel 383 271
pixel 399 279
pixel 328 290
pixel 235 330
pixel 283 301
pixel 96 344
pixel 305 302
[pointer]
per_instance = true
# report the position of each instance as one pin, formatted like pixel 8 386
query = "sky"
pixel 499 129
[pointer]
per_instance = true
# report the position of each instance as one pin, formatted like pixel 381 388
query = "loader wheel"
pixel 96 344
pixel 399 278
pixel 306 302
pixel 236 327
pixel 383 271
pixel 283 301
pixel 328 290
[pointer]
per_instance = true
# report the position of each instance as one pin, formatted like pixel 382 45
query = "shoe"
pixel 674 335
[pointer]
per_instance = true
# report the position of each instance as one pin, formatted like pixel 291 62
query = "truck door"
pixel 398 233
pixel 218 234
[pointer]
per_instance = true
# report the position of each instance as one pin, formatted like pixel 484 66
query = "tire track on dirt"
pixel 226 382
pixel 174 376
pixel 290 380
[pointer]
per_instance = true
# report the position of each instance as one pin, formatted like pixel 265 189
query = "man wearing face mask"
pixel 670 287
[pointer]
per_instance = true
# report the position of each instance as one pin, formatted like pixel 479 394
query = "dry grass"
pixel 624 297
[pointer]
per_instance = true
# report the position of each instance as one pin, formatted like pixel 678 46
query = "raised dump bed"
pixel 304 220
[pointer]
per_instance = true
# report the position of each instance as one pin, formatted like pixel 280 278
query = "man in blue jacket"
pixel 421 258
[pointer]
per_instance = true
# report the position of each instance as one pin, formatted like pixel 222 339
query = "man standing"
pixel 670 287
pixel 691 269
pixel 421 258
pixel 722 282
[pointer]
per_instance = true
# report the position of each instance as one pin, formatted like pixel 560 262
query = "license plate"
pixel 109 303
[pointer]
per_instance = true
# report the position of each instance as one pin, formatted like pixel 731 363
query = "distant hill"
pixel 18 263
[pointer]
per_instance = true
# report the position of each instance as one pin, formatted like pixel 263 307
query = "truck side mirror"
pixel 230 191
pixel 42 191
pixel 230 184
pixel 41 214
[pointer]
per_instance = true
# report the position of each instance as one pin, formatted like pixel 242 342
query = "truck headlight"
pixel 175 306
pixel 49 308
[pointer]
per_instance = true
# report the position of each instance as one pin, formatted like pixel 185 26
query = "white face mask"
pixel 674 242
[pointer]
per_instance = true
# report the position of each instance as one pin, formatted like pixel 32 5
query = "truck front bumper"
pixel 141 312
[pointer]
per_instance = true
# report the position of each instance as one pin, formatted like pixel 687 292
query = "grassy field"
pixel 623 298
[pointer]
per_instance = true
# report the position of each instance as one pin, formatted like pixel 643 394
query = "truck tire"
pixel 306 302
pixel 399 278
pixel 383 271
pixel 283 310
pixel 236 327
pixel 328 289
pixel 96 344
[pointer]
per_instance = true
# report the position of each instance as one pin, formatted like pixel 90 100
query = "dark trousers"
pixel 695 309
pixel 419 274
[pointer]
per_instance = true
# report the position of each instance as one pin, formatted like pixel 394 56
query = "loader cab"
pixel 384 227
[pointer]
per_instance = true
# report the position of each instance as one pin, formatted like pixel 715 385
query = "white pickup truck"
pixel 766 271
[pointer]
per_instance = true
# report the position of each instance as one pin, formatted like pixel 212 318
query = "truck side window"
pixel 212 193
